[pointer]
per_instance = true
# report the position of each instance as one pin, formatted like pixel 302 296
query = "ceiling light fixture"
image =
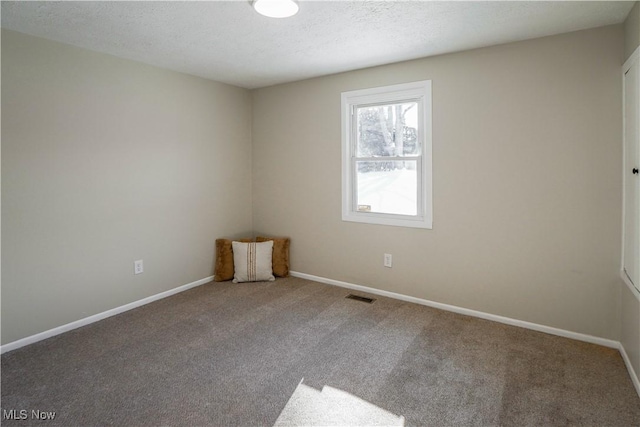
pixel 276 8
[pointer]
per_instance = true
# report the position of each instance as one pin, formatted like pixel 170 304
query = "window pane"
pixel 388 130
pixel 387 187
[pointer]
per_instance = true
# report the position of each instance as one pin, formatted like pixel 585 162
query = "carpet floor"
pixel 333 407
pixel 225 354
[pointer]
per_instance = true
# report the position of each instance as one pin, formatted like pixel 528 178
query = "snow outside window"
pixel 386 155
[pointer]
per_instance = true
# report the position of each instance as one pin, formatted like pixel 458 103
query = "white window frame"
pixel 419 92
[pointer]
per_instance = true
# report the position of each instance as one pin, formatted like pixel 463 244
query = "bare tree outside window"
pixel 386 155
pixel 385 134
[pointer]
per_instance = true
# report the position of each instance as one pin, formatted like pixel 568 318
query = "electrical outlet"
pixel 388 260
pixel 138 267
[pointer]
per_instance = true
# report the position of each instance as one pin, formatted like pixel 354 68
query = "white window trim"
pixel 416 91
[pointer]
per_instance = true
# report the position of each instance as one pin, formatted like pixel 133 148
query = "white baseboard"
pixel 482 315
pixel 506 320
pixel 96 317
pixel 632 373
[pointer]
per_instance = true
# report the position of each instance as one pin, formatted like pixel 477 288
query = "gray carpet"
pixel 226 354
pixel 333 407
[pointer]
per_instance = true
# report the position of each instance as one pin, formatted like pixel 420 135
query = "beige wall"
pixel 527 182
pixel 630 300
pixel 106 161
pixel 632 31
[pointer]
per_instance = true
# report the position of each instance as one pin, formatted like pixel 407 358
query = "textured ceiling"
pixel 229 42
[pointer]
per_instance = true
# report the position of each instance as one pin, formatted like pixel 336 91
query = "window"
pixel 386 155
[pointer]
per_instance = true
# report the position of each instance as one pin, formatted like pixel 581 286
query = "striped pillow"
pixel 252 262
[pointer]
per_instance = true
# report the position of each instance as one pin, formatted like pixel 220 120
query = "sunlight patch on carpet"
pixel 332 407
